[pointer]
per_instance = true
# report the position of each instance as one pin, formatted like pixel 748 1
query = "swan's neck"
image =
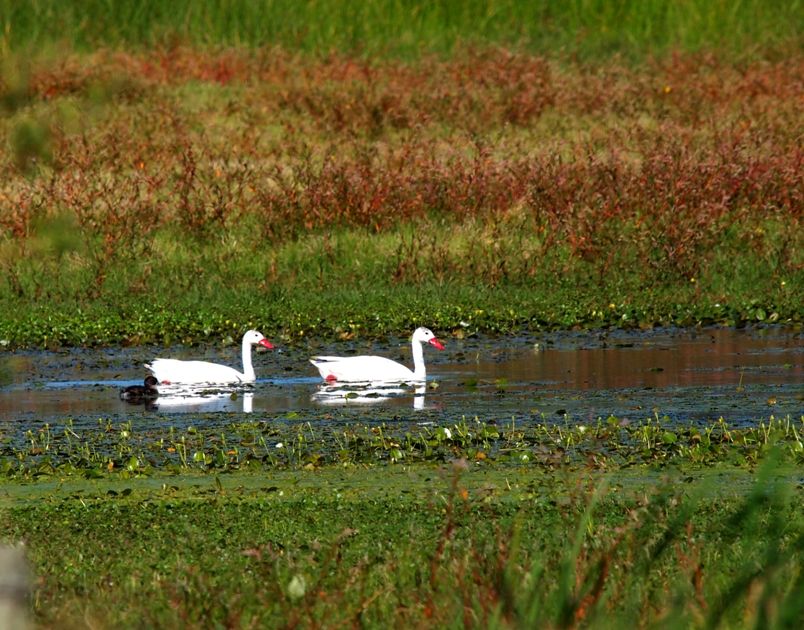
pixel 248 369
pixel 418 360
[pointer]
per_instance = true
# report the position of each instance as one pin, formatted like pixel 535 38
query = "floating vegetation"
pixel 123 450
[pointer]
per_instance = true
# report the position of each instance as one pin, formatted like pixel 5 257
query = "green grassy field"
pixel 469 525
pixel 410 28
pixel 508 552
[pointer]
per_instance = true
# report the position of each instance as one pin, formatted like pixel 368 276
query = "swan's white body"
pixel 372 369
pixel 173 371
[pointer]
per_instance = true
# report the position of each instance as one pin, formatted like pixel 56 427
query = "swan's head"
pixel 257 339
pixel 425 335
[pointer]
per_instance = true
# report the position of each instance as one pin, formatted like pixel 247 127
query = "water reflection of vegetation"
pixel 123 450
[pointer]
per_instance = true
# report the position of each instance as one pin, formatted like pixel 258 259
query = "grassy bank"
pixel 393 525
pixel 555 554
pixel 561 553
pixel 179 194
pixel 291 316
pixel 386 27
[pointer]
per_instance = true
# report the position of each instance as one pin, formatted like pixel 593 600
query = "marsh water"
pixel 683 375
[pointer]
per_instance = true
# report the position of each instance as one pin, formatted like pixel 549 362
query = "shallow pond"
pixel 686 375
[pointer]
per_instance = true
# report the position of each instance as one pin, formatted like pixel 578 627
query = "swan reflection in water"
pixel 199 400
pixel 368 394
pixel 202 401
pixel 230 402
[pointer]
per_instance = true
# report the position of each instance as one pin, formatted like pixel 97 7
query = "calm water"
pixel 686 375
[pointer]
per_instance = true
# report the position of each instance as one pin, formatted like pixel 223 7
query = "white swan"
pixel 368 369
pixel 172 371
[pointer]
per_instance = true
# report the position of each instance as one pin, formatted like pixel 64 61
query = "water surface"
pixel 686 375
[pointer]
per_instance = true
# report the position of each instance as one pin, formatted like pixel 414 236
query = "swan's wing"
pixel 176 371
pixel 361 369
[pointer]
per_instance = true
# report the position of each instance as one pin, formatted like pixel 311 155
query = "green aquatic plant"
pixel 113 450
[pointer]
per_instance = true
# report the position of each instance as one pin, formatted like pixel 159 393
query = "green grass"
pixel 409 28
pixel 459 545
pixel 292 315
pixel 301 289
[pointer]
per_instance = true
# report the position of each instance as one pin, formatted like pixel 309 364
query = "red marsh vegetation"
pixel 666 165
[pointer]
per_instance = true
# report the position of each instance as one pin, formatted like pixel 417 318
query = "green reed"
pixel 407 27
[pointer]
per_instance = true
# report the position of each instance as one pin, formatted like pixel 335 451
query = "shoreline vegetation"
pixel 170 176
pixel 418 547
pixel 125 451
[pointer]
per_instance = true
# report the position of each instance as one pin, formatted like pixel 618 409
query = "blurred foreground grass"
pixel 422 544
pixel 409 28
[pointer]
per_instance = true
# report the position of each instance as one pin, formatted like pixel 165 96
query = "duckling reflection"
pixel 233 402
pixel 370 394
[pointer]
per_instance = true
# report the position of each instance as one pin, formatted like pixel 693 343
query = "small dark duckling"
pixel 140 393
